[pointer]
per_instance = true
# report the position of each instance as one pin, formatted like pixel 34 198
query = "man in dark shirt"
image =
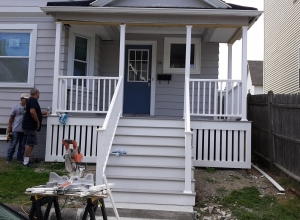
pixel 31 123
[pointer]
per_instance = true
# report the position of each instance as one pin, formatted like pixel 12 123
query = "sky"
pixel 255 43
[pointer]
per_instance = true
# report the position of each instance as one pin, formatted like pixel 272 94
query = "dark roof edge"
pixel 70 3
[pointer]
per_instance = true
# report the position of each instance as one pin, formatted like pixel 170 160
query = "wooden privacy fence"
pixel 276 130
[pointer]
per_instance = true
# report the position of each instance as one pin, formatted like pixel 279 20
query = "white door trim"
pixel 153 69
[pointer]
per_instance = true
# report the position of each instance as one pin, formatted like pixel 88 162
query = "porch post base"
pixel 187 192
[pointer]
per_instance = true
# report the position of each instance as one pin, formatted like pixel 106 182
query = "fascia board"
pixel 174 11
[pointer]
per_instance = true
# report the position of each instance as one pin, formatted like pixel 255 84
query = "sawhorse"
pixel 39 201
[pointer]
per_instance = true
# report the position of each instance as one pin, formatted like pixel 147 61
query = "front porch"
pixel 191 118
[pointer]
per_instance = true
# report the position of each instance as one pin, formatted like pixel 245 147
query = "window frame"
pixel 90 51
pixel 32 30
pixel 167 50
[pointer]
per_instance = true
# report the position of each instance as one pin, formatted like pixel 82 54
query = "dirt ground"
pixel 223 181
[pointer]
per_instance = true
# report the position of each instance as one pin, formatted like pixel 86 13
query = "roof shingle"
pixel 256 69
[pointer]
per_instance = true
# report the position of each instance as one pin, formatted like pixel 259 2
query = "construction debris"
pixel 214 212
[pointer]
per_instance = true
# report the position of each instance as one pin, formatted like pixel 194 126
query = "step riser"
pixel 154 198
pixel 160 132
pixel 146 160
pixel 154 141
pixel 140 184
pixel 145 172
pixel 149 150
pixel 151 123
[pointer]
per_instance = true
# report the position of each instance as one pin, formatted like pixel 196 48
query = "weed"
pixel 210 170
pixel 211 180
pixel 246 204
pixel 221 191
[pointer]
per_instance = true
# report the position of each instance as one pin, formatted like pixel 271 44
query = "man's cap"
pixel 24 96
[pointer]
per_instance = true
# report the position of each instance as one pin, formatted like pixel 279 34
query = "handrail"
pixel 108 130
pixel 187 105
pixel 111 107
pixel 216 80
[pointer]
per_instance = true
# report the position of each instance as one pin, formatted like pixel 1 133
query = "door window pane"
pixel 177 56
pixel 138 68
pixel 80 48
pixel 14 70
pixel 14 44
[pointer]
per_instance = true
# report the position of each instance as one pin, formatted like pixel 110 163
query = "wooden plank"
pixel 66 136
pixel 222 164
pixel 242 146
pixel 194 144
pixel 229 146
pixel 82 140
pixel 218 145
pixel 235 146
pixel 59 141
pixel 54 145
pixel 212 145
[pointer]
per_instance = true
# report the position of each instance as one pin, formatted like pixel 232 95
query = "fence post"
pixel 271 128
pixel 248 105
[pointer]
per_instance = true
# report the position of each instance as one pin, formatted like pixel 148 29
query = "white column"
pixel 187 56
pixel 188 133
pixel 229 72
pixel 122 50
pixel 122 59
pixel 56 66
pixel 244 73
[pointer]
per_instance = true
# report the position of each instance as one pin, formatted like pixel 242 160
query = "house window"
pixel 80 56
pixel 17 55
pixel 81 53
pixel 174 55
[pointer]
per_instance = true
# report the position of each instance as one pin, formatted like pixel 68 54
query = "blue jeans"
pixel 16 137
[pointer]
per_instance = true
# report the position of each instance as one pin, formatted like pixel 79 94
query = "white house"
pixel 137 76
pixel 255 77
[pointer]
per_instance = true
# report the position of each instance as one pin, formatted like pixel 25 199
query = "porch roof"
pixel 222 25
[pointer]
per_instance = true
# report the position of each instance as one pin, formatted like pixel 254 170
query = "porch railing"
pixel 216 98
pixel 107 132
pixel 85 94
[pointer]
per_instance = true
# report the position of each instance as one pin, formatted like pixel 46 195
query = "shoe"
pixel 30 165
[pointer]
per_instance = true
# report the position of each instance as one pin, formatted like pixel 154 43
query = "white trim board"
pixel 153 69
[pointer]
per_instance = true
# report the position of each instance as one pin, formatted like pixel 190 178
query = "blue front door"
pixel 137 79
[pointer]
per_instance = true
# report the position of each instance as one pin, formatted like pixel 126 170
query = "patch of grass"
pixel 210 170
pixel 232 178
pixel 15 179
pixel 247 204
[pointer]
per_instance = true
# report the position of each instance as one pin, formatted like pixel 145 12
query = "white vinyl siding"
pixel 282 42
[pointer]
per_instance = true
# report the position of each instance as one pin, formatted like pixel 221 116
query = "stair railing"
pixel 107 132
pixel 188 139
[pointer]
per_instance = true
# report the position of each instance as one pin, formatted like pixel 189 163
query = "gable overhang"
pixel 231 20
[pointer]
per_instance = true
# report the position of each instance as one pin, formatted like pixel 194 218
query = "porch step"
pixel 162 197
pixel 145 140
pixel 149 149
pixel 151 122
pixel 153 131
pixel 149 160
pixel 146 171
pixel 148 183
